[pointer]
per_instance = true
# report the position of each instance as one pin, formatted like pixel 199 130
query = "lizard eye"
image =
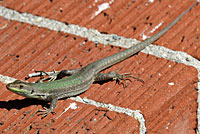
pixel 21 86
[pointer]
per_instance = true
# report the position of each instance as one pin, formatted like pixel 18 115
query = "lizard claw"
pixel 125 77
pixel 45 111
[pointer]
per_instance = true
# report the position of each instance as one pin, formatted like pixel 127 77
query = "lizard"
pixel 80 80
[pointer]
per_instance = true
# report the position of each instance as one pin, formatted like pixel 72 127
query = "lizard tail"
pixel 113 59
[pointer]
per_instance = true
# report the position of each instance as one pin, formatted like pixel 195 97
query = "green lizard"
pixel 81 80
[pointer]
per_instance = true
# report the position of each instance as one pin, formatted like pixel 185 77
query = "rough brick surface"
pixel 167 98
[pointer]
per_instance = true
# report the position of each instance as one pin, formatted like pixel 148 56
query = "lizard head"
pixel 22 88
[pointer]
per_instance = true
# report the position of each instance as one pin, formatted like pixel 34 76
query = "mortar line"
pixel 113 39
pixel 132 113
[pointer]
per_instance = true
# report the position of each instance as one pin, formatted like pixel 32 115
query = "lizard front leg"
pixel 46 111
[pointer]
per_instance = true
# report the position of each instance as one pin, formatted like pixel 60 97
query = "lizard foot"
pixel 125 77
pixel 51 76
pixel 45 112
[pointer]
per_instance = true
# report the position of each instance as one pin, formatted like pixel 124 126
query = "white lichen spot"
pixel 171 83
pixel 151 1
pixel 156 27
pixel 72 106
pixel 144 37
pixel 101 8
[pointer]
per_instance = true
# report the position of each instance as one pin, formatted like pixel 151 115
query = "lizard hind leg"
pixel 117 77
pixel 52 76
